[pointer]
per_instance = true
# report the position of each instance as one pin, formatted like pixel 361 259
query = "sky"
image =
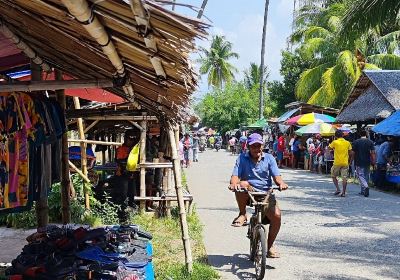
pixel 241 22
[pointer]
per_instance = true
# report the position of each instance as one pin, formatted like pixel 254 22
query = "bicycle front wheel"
pixel 260 253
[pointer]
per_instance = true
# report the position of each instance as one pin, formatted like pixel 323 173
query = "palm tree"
pixel 252 76
pixel 261 107
pixel 215 62
pixel 335 68
pixel 366 14
pixel 201 11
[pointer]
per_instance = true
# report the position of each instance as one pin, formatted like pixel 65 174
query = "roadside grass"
pixel 168 253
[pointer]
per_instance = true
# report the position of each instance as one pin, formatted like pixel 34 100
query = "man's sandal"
pixel 239 221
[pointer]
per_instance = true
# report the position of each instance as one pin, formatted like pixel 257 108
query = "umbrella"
pixel 324 129
pixel 310 118
pixel 389 126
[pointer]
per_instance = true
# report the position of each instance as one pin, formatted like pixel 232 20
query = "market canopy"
pixel 310 118
pixel 324 129
pixel 389 126
pixel 261 123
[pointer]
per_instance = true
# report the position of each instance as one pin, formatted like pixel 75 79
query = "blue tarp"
pixel 287 115
pixel 389 126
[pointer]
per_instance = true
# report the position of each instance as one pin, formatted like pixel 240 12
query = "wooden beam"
pixel 136 125
pixel 56 85
pixel 84 113
pixel 65 179
pixel 84 177
pixel 94 142
pixel 83 152
pixel 42 206
pixel 91 126
pixel 172 133
pixel 123 118
pixel 142 154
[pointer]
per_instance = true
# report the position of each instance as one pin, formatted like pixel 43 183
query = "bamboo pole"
pixel 20 44
pixel 143 124
pixel 65 179
pixel 55 85
pixel 74 167
pixel 179 194
pixel 95 142
pixel 91 126
pixel 42 208
pixel 84 15
pixel 83 151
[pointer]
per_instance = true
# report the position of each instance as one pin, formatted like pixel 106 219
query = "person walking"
pixel 382 159
pixel 280 149
pixel 195 147
pixel 341 159
pixel 364 157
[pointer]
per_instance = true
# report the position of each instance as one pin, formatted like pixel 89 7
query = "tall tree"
pixel 215 62
pixel 261 88
pixel 252 76
pixel 335 66
pixel 201 11
pixel 366 14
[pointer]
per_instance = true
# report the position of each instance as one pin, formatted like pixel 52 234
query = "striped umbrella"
pixel 324 129
pixel 310 118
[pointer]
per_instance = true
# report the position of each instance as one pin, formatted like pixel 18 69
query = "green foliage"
pixel 100 213
pixel 252 76
pixel 215 62
pixel 168 255
pixel 231 107
pixel 334 68
pixel 282 93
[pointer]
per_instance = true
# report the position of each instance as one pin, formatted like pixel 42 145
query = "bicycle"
pixel 257 232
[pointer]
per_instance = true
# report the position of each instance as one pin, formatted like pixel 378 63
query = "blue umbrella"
pixel 389 126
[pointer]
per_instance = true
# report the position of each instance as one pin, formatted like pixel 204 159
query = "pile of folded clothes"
pixel 72 252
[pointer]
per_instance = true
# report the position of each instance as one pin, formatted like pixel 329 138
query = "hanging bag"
pixel 133 158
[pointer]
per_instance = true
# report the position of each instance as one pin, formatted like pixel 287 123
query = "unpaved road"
pixel 322 236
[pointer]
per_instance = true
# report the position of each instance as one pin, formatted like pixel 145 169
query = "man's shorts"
pixel 342 171
pixel 279 155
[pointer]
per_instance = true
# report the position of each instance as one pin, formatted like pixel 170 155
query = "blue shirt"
pixel 384 150
pixel 259 175
pixel 296 146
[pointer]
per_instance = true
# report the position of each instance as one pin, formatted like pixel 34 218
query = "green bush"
pixel 99 214
pixel 201 271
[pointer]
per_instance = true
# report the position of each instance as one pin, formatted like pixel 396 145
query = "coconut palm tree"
pixel 336 63
pixel 201 11
pixel 215 62
pixel 252 76
pixel 366 14
pixel 261 87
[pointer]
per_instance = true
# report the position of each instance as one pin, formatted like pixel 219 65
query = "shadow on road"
pixel 238 264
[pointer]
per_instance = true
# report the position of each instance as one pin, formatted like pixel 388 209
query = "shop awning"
pixel 261 123
pixel 287 115
pixel 389 126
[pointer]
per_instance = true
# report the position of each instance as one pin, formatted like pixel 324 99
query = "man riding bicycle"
pixel 254 170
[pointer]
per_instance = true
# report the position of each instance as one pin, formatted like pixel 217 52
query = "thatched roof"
pixel 63 42
pixel 376 95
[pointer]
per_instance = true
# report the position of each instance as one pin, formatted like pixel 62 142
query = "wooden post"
pixel 83 152
pixel 179 193
pixel 143 124
pixel 42 208
pixel 169 186
pixel 65 179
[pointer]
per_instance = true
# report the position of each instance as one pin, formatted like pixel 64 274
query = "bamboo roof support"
pixel 81 11
pixel 89 127
pixel 55 85
pixel 94 142
pixel 20 44
pixel 143 20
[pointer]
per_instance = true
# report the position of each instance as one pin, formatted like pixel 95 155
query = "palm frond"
pixel 366 14
pixel 316 32
pixel 310 81
pixel 347 63
pixel 389 43
pixel 370 66
pixel 315 47
pixel 385 61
